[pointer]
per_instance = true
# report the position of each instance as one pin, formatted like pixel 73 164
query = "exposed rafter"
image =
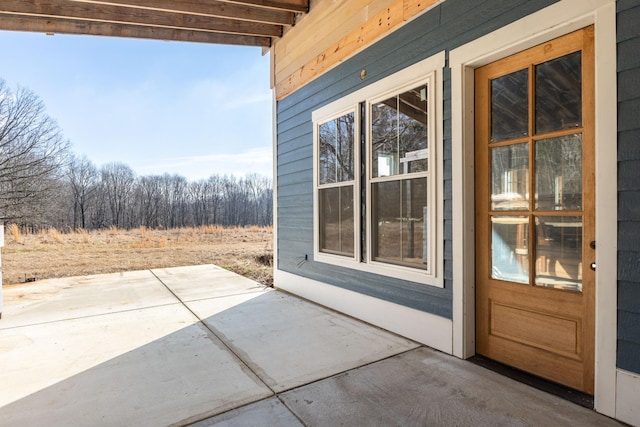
pixel 238 22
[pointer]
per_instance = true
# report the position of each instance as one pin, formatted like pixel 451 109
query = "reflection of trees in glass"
pixel 336 139
pixel 559 93
pixel 510 176
pixel 509 106
pixel 398 127
pixel 559 172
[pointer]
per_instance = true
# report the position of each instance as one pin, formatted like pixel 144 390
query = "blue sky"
pixel 186 108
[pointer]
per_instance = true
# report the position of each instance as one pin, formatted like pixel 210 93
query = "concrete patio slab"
pixel 123 349
pixel 210 281
pixel 424 387
pixel 150 366
pixel 266 413
pixel 74 297
pixel 289 342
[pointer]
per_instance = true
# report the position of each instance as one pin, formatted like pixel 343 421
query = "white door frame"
pixel 544 25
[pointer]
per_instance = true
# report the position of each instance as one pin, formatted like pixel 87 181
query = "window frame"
pixel 317 186
pixel 371 180
pixel 429 72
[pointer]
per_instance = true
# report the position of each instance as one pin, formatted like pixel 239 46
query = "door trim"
pixel 549 23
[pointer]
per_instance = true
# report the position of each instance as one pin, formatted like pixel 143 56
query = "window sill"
pixel 382 269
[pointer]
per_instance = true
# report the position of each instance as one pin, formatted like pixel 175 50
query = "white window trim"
pixel 432 264
pixel 551 22
pixel 318 120
pixel 427 71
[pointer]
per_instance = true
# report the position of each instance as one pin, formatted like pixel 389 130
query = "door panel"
pixel 535 215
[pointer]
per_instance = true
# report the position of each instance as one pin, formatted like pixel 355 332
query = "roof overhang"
pixel 237 22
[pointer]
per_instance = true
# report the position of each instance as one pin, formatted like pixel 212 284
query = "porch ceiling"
pixel 234 22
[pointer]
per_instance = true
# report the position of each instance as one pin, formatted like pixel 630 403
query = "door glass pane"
pixel 399 134
pixel 559 93
pixel 399 228
pixel 559 173
pixel 510 106
pixel 559 252
pixel 336 220
pixel 336 158
pixel 509 248
pixel 510 177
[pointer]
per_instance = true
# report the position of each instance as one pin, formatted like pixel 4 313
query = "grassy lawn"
pixel 52 253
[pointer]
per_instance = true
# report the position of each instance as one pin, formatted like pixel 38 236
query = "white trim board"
pixel 549 23
pixel 628 390
pixel 274 145
pixel 429 329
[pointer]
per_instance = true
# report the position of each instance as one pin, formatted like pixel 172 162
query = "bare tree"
pixel 149 200
pixel 118 180
pixel 174 189
pixel 82 176
pixel 198 194
pixel 32 154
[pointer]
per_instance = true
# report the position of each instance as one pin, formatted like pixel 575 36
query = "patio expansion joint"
pixel 185 301
pixel 279 394
pixel 216 334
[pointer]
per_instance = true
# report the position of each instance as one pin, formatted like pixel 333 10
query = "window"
pixel 378 179
pixel 336 185
pixel 398 143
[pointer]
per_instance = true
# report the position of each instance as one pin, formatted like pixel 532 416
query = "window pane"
pixel 559 93
pixel 559 252
pixel 510 106
pixel 509 248
pixel 559 173
pixel 399 134
pixel 336 220
pixel 336 145
pixel 399 230
pixel 510 177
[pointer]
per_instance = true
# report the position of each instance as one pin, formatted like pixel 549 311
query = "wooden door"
pixel 535 212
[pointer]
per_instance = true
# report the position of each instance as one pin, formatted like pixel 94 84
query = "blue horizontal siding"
pixel 629 175
pixel 628 359
pixel 628 84
pixel 631 291
pixel 629 145
pixel 628 64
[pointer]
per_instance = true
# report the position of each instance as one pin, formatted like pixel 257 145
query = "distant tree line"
pixel 42 184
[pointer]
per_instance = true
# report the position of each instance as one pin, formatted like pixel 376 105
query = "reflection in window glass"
pixel 399 134
pixel 510 177
pixel 336 220
pixel 510 106
pixel 559 173
pixel 559 252
pixel 336 147
pixel 559 93
pixel 399 228
pixel 509 248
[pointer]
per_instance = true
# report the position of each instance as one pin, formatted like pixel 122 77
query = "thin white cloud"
pixel 258 161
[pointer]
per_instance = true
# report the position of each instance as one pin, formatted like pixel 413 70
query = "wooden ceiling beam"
pixel 215 8
pixel 61 9
pixel 69 26
pixel 298 6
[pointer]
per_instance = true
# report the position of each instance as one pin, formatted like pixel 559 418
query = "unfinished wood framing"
pixel 239 22
pixel 340 30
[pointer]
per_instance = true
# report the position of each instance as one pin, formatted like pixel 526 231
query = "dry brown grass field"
pixel 52 253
